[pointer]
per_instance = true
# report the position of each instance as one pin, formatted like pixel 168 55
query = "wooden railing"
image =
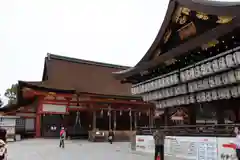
pixel 192 130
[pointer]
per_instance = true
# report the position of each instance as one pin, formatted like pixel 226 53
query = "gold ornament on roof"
pixel 186 11
pixel 167 35
pixel 182 19
pixel 177 15
pixel 187 31
pixel 51 93
pixel 210 44
pixel 202 16
pixel 224 19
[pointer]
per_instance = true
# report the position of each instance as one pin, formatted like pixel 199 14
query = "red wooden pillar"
pixel 38 117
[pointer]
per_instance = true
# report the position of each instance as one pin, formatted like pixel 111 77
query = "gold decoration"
pixel 182 19
pixel 224 19
pixel 187 31
pixel 186 11
pixel 202 16
pixel 167 35
pixel 210 44
pixel 51 93
pixel 170 62
pixel 177 15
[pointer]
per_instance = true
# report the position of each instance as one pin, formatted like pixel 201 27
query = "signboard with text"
pixel 191 148
pixel 145 144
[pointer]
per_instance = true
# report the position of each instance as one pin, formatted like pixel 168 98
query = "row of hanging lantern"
pixel 176 101
pixel 204 96
pixel 222 61
pixel 226 78
pixel 229 77
pixel 109 112
pixel 164 93
pixel 228 60
pixel 156 83
pixel 219 94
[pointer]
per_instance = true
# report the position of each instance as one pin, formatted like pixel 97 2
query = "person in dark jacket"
pixel 3 141
pixel 110 136
pixel 159 144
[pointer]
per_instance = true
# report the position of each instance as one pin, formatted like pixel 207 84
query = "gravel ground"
pixel 47 149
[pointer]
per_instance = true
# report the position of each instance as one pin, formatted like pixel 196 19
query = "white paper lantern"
pixel 222 63
pixel 225 78
pixel 236 57
pixel 191 87
pixel 182 76
pixel 218 80
pixel 231 77
pixel 208 96
pixel 203 69
pixel 198 97
pixel 214 95
pixel 230 60
pixel 175 79
pixel 203 96
pixel 209 68
pixel 199 85
pixel 234 92
pixel 211 81
pixel 237 74
pixel 205 84
pixel 215 65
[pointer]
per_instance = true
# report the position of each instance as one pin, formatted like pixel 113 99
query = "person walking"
pixel 110 136
pixel 62 137
pixel 237 143
pixel 159 144
pixel 3 141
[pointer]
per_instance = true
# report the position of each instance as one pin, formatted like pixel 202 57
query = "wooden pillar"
pixel 135 120
pixel 130 116
pixel 114 120
pixel 219 112
pixel 38 117
pixel 109 118
pixel 166 117
pixel 192 114
pixel 94 120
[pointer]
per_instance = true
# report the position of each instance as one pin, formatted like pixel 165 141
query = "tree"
pixel 11 93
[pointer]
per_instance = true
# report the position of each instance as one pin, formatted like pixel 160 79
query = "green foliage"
pixel 11 93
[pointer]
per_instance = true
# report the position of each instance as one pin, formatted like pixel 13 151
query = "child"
pixel 62 137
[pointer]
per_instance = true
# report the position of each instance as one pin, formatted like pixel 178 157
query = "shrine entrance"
pixel 51 125
pixel 78 123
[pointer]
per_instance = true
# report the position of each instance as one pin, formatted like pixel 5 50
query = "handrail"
pixel 192 130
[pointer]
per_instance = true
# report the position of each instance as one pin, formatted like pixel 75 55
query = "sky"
pixel 111 31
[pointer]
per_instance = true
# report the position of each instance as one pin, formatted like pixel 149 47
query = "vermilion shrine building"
pixel 81 96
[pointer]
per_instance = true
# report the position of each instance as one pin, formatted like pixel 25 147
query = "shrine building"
pixel 81 96
pixel 191 72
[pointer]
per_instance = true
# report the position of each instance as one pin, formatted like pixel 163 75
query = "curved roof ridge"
pixel 83 61
pixel 206 6
pixel 221 8
pixel 217 3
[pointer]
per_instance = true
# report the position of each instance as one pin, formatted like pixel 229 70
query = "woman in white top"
pixel 237 142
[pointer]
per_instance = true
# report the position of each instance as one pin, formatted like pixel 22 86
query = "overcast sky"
pixel 113 31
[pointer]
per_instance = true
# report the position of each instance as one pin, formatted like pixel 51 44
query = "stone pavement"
pixel 47 149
